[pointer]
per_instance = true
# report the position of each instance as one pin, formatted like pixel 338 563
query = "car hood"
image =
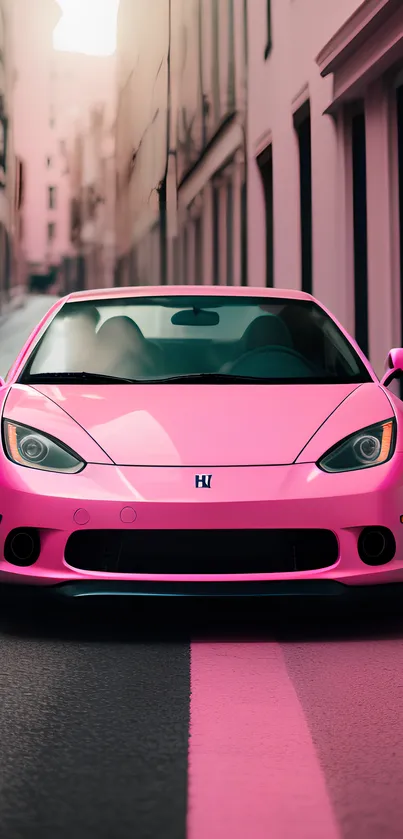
pixel 199 425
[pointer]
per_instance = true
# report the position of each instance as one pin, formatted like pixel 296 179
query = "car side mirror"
pixel 393 366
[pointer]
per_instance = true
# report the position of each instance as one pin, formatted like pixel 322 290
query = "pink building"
pixel 35 134
pixel 11 175
pixel 54 95
pixel 261 142
pixel 325 158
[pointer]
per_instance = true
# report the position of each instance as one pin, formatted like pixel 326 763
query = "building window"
pixel 3 143
pixel 204 107
pixel 198 234
pixel 265 163
pixel 231 56
pixel 52 197
pixel 229 237
pixel 244 233
pixel 118 274
pixel 185 279
pixel 162 194
pixel 359 162
pixel 51 231
pixel 268 24
pixel 133 267
pixel 216 60
pixel 81 273
pixel 302 125
pixel 19 185
pixel 216 235
pixel 176 268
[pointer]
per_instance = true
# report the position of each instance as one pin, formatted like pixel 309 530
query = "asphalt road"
pixel 159 720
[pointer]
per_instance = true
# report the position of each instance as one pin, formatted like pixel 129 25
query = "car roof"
pixel 121 293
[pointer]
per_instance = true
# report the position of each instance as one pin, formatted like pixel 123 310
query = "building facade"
pixel 209 71
pixel 325 158
pixel 91 164
pixel 11 168
pixel 142 132
pixel 34 135
pixel 56 93
pixel 260 142
pixel 36 138
pixel 181 143
pixel 85 100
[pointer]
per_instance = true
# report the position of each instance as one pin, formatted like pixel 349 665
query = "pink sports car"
pixel 197 440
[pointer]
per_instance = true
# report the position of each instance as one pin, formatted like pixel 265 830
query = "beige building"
pixel 181 147
pixel 141 138
pixel 91 164
pixel 84 103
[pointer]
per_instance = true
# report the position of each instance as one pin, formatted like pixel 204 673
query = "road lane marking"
pixel 253 769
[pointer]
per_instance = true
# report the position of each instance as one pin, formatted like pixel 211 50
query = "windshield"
pixel 151 339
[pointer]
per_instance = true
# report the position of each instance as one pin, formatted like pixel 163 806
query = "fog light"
pixel 376 545
pixel 22 547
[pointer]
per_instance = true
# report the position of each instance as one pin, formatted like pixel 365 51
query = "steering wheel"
pixel 295 364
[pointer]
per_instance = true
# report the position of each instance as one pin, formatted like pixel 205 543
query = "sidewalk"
pixel 16 327
pixel 17 301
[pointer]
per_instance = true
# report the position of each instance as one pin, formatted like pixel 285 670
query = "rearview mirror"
pixel 195 317
pixel 393 366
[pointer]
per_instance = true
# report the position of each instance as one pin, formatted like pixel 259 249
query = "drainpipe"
pixel 244 196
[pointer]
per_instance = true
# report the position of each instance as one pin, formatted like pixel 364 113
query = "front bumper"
pixel 254 498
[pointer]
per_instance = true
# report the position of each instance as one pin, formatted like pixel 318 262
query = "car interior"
pixel 288 343
pixel 265 348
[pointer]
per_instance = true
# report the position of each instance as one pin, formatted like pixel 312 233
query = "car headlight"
pixel 29 447
pixel 370 447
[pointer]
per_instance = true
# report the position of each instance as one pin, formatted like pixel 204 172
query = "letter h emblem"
pixel 203 481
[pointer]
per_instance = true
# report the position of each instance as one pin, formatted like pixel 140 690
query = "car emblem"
pixel 203 481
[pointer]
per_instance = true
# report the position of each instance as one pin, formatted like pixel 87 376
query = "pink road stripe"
pixel 253 769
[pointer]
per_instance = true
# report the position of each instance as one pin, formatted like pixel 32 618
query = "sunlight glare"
pixel 87 26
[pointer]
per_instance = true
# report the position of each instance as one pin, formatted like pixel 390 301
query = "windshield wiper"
pixel 99 378
pixel 229 378
pixel 85 377
pixel 75 378
pixel 206 378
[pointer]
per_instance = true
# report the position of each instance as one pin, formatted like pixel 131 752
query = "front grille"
pixel 201 551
